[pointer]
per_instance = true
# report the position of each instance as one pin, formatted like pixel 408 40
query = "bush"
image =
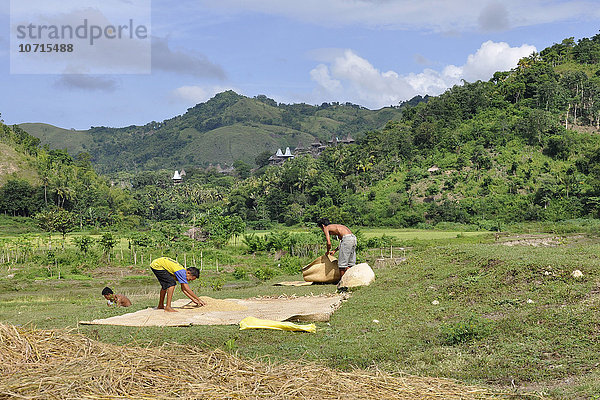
pixel 382 241
pixel 469 330
pixel 260 225
pixel 277 240
pixel 84 243
pixel 291 265
pixel 264 273
pixel 240 273
pixel 255 243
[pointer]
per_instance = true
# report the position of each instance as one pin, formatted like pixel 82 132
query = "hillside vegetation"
pixel 523 146
pixel 18 150
pixel 226 128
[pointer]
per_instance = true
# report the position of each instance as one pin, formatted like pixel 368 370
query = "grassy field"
pixel 397 234
pixel 503 313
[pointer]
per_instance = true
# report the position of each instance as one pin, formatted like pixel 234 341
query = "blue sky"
pixel 369 52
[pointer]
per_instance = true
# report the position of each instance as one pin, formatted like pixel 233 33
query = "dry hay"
pixel 42 364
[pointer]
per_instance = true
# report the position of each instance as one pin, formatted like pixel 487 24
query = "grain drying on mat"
pixel 42 364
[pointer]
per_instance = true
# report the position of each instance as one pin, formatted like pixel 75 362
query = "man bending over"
pixel 169 272
pixel 347 247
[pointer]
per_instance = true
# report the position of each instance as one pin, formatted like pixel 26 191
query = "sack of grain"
pixel 322 270
pixel 359 275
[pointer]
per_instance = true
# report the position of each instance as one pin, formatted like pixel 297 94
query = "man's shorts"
pixel 165 278
pixel 347 253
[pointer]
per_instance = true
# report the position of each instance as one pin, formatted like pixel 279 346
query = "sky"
pixel 374 53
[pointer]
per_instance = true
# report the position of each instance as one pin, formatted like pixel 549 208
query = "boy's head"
pixel 106 292
pixel 192 273
pixel 322 222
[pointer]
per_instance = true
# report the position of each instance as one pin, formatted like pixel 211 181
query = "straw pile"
pixel 55 364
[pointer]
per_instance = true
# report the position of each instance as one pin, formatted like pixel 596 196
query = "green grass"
pixel 10 226
pixel 59 138
pixel 417 234
pixel 467 308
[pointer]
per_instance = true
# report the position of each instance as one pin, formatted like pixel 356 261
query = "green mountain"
pixel 226 128
pixel 523 146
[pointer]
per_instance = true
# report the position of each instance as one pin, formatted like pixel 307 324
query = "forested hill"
pixel 224 129
pixel 34 179
pixel 523 146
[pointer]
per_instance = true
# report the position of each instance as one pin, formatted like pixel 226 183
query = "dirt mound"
pixel 42 364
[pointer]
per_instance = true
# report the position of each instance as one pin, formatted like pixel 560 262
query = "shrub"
pixel 290 265
pixel 240 273
pixel 83 243
pixel 465 331
pixel 277 240
pixel 255 243
pixel 264 273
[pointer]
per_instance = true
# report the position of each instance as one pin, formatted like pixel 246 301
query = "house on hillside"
pixel 315 149
pixel 177 178
pixel 280 157
pixel 348 140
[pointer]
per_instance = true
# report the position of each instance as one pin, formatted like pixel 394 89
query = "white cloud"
pixel 435 15
pixel 492 57
pixel 349 77
pixel 193 95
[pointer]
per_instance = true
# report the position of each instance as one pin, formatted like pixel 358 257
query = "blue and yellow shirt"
pixel 171 266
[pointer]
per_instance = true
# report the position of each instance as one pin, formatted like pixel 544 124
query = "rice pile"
pixel 55 364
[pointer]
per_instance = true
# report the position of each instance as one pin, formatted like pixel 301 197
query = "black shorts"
pixel 165 278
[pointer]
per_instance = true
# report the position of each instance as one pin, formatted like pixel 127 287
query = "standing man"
pixel 347 247
pixel 169 272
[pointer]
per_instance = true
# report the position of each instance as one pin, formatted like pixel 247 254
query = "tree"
pixel 242 169
pixel 84 243
pixel 17 197
pixel 262 159
pixel 107 242
pixel 56 220
pixel 64 222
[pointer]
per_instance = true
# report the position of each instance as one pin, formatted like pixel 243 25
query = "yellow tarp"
pixel 255 323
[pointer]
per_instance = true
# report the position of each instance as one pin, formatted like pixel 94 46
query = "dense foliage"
pixel 522 146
